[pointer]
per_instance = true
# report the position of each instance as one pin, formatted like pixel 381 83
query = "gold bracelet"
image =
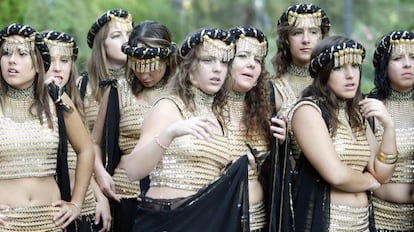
pixel 386 158
pixel 157 141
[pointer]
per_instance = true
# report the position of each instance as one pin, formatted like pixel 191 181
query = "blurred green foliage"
pixel 369 19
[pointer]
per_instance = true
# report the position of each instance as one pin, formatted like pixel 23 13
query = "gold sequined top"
pixel 237 134
pixel 351 144
pixel 131 119
pixel 27 148
pixel 91 106
pixel 401 108
pixel 132 113
pixel 290 86
pixel 190 163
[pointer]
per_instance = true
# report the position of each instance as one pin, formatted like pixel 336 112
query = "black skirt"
pixel 221 206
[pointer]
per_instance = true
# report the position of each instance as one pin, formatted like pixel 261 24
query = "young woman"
pixel 107 62
pixel 63 72
pixel 394 82
pixel 299 29
pixel 106 66
pixel 250 107
pixel 151 62
pixel 183 147
pixel 30 197
pixel 340 158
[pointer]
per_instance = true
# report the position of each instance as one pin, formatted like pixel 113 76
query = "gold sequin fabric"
pixel 393 216
pixel 190 163
pixel 91 106
pixel 89 203
pixel 237 145
pixel 237 132
pixel 401 108
pixel 351 144
pixel 131 119
pixel 290 86
pixel 27 148
pixel 132 113
pixel 29 219
pixel 123 186
pixel 257 216
pixel 345 218
pixel 130 123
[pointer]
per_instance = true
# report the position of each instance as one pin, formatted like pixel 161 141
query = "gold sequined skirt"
pixel 257 216
pixel 29 219
pixel 346 218
pixel 393 216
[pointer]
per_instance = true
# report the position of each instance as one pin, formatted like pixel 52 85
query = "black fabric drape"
pixel 275 177
pixel 311 198
pixel 221 206
pixel 62 171
pixel 111 153
pixel 82 85
pixel 278 195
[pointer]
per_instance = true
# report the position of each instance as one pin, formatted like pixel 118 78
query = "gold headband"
pixel 62 48
pixel 225 53
pixel 144 65
pixel 24 45
pixel 125 24
pixel 348 56
pixel 402 45
pixel 296 19
pixel 251 45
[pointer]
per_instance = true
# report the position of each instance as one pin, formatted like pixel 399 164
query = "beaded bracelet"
pixel 157 141
pixel 386 158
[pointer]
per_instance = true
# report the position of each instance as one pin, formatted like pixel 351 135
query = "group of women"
pixel 199 136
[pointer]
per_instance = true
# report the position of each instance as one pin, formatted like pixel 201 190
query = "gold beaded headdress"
pixel 395 41
pixel 146 59
pixel 350 52
pixel 119 16
pixel 206 37
pixel 301 14
pixel 64 43
pixel 31 39
pixel 240 34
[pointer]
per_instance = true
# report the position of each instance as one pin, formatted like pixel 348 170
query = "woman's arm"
pixel 161 125
pixel 314 139
pixel 102 210
pixel 79 138
pixel 102 177
pixel 384 154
